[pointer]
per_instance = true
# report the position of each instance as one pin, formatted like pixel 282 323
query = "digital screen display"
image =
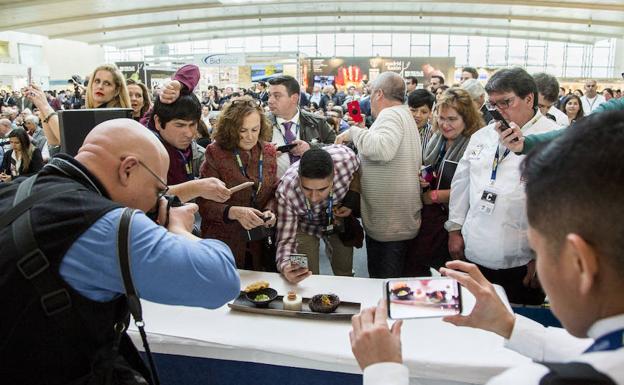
pixel 423 297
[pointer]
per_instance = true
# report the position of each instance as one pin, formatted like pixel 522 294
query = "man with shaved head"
pixel 391 155
pixel 64 307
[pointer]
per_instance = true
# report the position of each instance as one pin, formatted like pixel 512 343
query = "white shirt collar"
pixel 606 326
pixel 295 120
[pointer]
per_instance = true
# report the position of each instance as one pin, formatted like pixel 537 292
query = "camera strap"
pixel 134 302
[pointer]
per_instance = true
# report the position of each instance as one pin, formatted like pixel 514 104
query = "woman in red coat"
pixel 241 154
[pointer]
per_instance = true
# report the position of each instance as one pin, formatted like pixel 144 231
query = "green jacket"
pixel 530 141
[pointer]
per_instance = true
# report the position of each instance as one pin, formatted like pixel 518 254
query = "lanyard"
pixel 611 341
pixel 330 207
pixel 441 154
pixel 279 126
pixel 188 165
pixel 496 162
pixel 243 170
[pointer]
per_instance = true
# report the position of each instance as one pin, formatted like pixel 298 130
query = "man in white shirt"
pixel 292 125
pixel 591 99
pixel 580 248
pixel 391 155
pixel 548 95
pixel 487 221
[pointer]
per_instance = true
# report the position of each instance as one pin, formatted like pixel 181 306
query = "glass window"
pixel 460 54
pixel 217 46
pixel 235 42
pixel 574 72
pixel 382 39
pixel 600 72
pixel 601 57
pixel 325 44
pixel 307 40
pixel 497 56
pixel 308 50
pixel 382 50
pixel 439 45
pixel 288 43
pixel 574 57
pixel 458 40
pixel 363 44
pixel 401 44
pixel 517 52
pixel 270 41
pixel 554 57
pixel 344 50
pixel 498 42
pixel 535 55
pixel 344 39
pixel 252 43
pixel 420 39
pixel 420 51
pixel 478 51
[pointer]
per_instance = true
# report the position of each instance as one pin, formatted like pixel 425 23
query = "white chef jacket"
pixel 498 240
pixel 535 341
pixel 560 116
pixel 590 105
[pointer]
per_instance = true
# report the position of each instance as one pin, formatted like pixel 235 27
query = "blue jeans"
pixel 386 259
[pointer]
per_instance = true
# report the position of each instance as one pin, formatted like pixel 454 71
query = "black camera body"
pixel 259 233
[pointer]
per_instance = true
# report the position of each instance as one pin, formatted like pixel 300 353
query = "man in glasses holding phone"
pixel 487 222
pixel 74 277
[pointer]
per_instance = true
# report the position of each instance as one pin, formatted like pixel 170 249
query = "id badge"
pixel 487 204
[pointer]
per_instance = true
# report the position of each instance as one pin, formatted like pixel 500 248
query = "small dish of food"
pixel 261 297
pixel 324 303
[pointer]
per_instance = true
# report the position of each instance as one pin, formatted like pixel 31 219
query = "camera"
pixel 259 233
pixel 172 201
pixel 337 227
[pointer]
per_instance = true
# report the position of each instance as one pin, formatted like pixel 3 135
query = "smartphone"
pixel 286 147
pixel 354 111
pixel 241 186
pixel 300 260
pixel 423 297
pixel 29 76
pixel 498 117
pixel 427 173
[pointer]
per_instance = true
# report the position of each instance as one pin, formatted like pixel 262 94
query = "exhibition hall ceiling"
pixel 137 23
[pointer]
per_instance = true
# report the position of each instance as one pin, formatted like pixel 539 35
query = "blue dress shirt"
pixel 166 268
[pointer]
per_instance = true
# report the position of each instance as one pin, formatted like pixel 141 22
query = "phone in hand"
pixel 423 297
pixel 426 172
pixel 353 108
pixel 286 147
pixel 499 118
pixel 299 260
pixel 241 186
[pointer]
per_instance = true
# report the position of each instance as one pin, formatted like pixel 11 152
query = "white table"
pixel 435 352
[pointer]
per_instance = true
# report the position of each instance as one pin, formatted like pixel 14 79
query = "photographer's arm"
pixel 49 119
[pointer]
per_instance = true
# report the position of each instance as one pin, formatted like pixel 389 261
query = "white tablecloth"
pixel 435 352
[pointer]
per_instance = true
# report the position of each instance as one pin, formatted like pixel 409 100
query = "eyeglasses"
pixel 450 120
pixel 162 192
pixel 249 102
pixel 502 105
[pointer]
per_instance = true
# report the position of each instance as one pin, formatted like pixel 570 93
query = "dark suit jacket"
pixel 36 164
pixel 314 129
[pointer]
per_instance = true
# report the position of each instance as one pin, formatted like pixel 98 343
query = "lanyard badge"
pixel 243 170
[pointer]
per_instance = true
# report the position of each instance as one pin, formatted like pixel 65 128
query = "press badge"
pixel 474 154
pixel 488 201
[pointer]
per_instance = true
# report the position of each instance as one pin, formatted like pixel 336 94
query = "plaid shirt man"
pixel 291 202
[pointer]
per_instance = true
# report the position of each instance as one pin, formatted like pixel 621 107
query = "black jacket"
pixel 314 129
pixel 36 163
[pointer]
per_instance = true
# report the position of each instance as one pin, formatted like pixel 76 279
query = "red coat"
pixel 222 164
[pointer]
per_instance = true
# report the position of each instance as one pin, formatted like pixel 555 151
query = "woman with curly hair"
pixel 240 153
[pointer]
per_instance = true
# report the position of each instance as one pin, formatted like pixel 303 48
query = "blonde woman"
pixel 107 88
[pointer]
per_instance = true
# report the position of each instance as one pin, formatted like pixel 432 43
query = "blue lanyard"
pixel 496 162
pixel 329 211
pixel 611 341
pixel 243 170
pixel 441 154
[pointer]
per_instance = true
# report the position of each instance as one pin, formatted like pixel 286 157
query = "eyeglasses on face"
pixel 252 102
pixel 502 105
pixel 162 192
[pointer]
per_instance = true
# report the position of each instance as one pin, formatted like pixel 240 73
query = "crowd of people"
pixel 318 172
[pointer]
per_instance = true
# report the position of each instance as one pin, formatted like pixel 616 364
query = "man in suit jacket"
pixel 263 94
pixel 292 125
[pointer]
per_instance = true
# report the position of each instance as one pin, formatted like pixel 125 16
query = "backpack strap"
pixel 574 373
pixel 134 302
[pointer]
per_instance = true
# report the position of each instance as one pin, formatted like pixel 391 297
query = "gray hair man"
pixel 478 95
pixel 591 99
pixel 391 156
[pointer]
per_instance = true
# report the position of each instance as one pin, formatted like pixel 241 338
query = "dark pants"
pixel 511 281
pixel 385 259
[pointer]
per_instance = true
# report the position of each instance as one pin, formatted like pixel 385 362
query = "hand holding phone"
pixel 423 297
pixel 499 118
pixel 300 260
pixel 353 108
pixel 287 147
